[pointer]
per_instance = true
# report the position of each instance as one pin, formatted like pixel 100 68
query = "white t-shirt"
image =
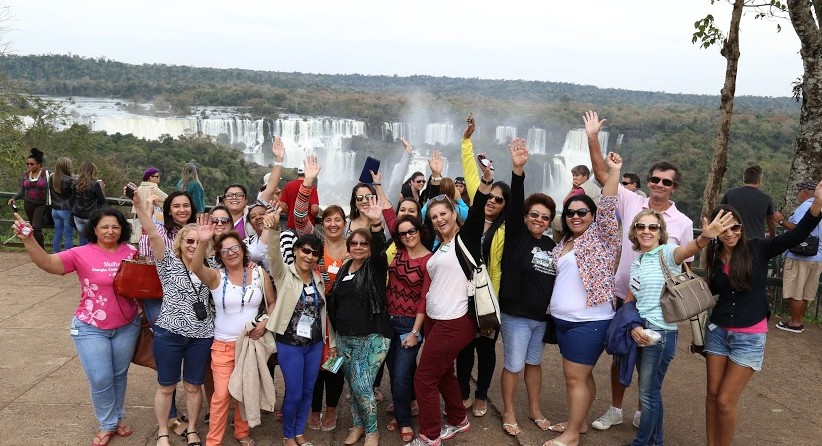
pixel 236 310
pixel 447 296
pixel 569 300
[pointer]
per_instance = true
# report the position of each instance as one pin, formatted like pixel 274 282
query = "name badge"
pixel 333 269
pixel 634 284
pixel 304 326
pixel 348 277
pixel 309 290
pixel 249 293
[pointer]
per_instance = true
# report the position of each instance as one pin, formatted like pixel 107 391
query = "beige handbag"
pixel 684 295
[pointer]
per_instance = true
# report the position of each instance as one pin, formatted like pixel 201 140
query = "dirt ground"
pixel 45 397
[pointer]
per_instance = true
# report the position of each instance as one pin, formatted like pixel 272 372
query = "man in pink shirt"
pixel 663 179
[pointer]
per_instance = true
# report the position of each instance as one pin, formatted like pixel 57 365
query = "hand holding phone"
pixel 485 161
pixel 129 191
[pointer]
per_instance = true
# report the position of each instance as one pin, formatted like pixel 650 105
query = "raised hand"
pixel 205 227
pixel 614 161
pixel 373 209
pixel 720 224
pixel 312 167
pixel 470 127
pixel 278 149
pixel 435 163
pixel 406 145
pixel 519 153
pixel 272 218
pixel 375 177
pixel 22 229
pixel 592 123
pixel 487 171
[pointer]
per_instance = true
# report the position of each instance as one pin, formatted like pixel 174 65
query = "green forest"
pixel 656 126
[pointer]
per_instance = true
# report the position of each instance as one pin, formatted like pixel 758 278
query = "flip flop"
pixel 406 437
pixel 511 429
pixel 123 430
pixel 543 424
pixel 102 439
pixel 553 443
pixel 560 428
pixel 393 425
pixel 478 412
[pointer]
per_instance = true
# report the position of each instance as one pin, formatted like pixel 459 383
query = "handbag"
pixel 684 295
pixel 550 336
pixel 144 350
pixel 486 306
pixel 138 279
pixel 48 219
pixel 808 247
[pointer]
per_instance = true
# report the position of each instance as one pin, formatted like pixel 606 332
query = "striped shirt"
pixel 647 281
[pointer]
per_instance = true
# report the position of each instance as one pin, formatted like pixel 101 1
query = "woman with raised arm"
pixel 581 303
pixel 414 188
pixel 299 323
pixel 493 239
pixel 648 235
pixel 735 343
pixel 105 326
pixel 184 328
pixel 394 186
pixel 238 291
pixel 527 283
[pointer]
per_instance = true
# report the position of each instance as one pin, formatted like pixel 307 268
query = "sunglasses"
pixel 440 198
pixel 419 181
pixel 736 228
pixel 30 164
pixel 581 212
pixel 536 215
pixel 653 227
pixel 309 252
pixel 155 176
pixel 409 233
pixel 234 248
pixel 357 243
pixel 220 220
pixel 627 183
pixel 665 182
pixel 235 195
pixel 190 241
pixel 364 197
pixel 497 199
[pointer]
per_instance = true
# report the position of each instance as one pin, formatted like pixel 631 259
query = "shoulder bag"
pixel 684 295
pixel 144 350
pixel 486 306
pixel 138 279
pixel 808 247
pixel 48 219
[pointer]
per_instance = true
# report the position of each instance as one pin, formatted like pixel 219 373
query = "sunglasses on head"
pixel 736 227
pixel 358 243
pixel 220 220
pixel 190 241
pixel 364 197
pixel 536 215
pixel 459 183
pixel 309 252
pixel 497 198
pixel 581 212
pixel 653 227
pixel 235 248
pixel 665 182
pixel 438 198
pixel 409 233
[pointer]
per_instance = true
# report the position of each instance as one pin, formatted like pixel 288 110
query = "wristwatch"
pixel 482 180
pixel 415 333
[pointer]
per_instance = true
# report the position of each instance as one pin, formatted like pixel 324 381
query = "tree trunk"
pixel 807 161
pixel 730 50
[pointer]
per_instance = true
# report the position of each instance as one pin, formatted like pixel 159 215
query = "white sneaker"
pixel 637 418
pixel 422 440
pixel 611 417
pixel 448 431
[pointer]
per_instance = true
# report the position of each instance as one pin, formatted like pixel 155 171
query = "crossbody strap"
pixel 465 253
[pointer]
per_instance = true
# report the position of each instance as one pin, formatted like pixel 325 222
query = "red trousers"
pixel 435 373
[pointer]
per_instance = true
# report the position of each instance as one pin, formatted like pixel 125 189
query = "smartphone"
pixel 405 335
pixel 470 118
pixel 371 165
pixel 130 192
pixel 484 161
pixel 220 199
pixel 14 208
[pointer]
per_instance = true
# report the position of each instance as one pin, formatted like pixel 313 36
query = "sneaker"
pixel 611 417
pixel 786 327
pixel 422 440
pixel 448 432
pixel 637 418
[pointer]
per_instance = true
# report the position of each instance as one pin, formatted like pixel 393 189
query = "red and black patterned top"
pixel 405 277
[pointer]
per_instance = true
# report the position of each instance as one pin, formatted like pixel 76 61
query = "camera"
pixel 130 191
pixel 200 311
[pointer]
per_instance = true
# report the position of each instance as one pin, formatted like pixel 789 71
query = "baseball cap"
pixel 808 185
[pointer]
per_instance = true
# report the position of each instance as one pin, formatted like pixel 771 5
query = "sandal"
pixel 407 435
pixel 479 411
pixel 511 429
pixel 249 442
pixel 100 440
pixel 329 425
pixel 163 436
pixel 123 430
pixel 305 443
pixel 315 424
pixel 179 427
pixel 195 443
pixel 544 424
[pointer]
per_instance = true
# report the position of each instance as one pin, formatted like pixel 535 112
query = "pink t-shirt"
pixel 95 268
pixel 680 232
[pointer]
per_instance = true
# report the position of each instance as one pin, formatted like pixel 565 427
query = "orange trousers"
pixel 222 364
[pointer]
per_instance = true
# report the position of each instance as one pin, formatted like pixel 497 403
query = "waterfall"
pixel 536 141
pixel 419 163
pixel 439 133
pixel 504 134
pixel 147 127
pixel 303 135
pixel 557 172
pixel 397 130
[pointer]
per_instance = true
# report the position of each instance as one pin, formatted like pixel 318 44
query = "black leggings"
pixel 333 385
pixel 35 214
pixel 486 362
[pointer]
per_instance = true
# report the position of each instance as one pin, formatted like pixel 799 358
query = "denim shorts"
pixel 745 349
pixel 581 342
pixel 521 341
pixel 171 351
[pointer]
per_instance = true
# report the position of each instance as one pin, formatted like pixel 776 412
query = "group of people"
pixel 390 284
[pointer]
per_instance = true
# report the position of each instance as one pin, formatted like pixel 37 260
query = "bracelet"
pixel 415 332
pixel 278 163
pixel 376 184
pixel 781 222
pixel 696 240
pixel 482 180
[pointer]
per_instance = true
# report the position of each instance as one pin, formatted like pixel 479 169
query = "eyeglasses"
pixel 234 248
pixel 497 199
pixel 665 182
pixel 536 215
pixel 235 195
pixel 409 233
pixel 190 241
pixel 309 252
pixel 736 228
pixel 581 212
pixel 358 243
pixel 155 176
pixel 628 183
pixel 653 227
pixel 419 181
pixel 220 220
pixel 364 197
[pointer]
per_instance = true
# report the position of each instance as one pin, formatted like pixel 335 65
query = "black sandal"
pixel 162 436
pixel 196 443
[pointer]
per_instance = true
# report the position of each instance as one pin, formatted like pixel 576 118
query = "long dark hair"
pixel 355 213
pixel 168 221
pixel 566 230
pixel 741 258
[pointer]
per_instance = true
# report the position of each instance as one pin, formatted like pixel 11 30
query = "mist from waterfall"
pixel 535 141
pixel 439 133
pixel 504 134
pixel 556 180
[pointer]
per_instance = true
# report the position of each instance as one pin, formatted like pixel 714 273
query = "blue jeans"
pixel 653 364
pixel 62 230
pixel 105 356
pixel 402 363
pixel 300 366
pixel 81 224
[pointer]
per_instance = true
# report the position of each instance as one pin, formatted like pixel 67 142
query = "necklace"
pixel 489 222
pixel 242 297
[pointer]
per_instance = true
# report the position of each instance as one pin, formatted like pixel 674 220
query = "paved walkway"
pixel 45 400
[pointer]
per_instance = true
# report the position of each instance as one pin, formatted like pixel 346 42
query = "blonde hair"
pixel 61 169
pixel 177 246
pixel 189 175
pixel 663 228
